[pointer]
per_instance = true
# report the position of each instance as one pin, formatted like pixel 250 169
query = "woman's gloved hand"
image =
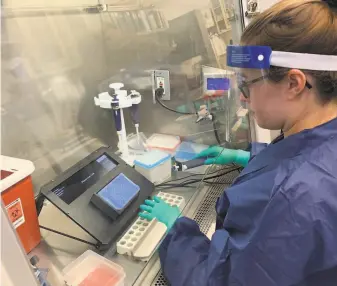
pixel 160 210
pixel 222 156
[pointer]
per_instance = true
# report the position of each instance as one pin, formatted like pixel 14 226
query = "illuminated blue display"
pixel 218 84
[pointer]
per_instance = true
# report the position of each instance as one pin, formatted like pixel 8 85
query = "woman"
pixel 277 224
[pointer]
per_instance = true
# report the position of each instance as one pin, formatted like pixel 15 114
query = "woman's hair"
pixel 299 26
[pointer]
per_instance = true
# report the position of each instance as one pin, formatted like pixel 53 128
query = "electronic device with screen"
pixel 101 194
pixel 216 82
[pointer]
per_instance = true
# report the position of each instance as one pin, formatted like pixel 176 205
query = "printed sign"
pixel 254 57
pixel 15 213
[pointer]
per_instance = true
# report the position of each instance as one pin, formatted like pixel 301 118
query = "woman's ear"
pixel 296 83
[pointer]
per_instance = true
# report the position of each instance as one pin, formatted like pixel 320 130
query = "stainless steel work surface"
pixel 56 252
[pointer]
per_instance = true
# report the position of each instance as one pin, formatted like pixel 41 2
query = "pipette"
pixel 135 118
pixel 117 100
pixel 116 112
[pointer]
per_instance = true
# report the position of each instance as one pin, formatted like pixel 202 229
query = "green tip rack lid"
pixel 152 159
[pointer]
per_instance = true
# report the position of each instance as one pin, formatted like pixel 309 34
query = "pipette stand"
pixel 124 100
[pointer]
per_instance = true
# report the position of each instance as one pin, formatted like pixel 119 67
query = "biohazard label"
pixel 15 213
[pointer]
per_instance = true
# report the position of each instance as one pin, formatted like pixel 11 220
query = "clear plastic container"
pixel 188 150
pixel 167 143
pixel 155 165
pixel 137 143
pixel 91 269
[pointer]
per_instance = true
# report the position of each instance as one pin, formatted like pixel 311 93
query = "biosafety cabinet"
pixel 61 61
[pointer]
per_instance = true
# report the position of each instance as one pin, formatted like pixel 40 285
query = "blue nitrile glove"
pixel 161 211
pixel 222 156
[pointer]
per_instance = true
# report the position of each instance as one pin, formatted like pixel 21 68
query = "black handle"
pixel 194 163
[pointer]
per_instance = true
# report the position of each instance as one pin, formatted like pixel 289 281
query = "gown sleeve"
pixel 279 250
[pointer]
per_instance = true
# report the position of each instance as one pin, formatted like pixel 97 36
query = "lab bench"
pixel 55 252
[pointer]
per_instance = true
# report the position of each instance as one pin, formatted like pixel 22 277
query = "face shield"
pixel 260 74
pixel 252 64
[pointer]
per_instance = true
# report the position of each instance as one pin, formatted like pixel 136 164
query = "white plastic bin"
pixel 155 165
pixel 91 269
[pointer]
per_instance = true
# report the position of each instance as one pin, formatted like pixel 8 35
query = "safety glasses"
pixel 244 85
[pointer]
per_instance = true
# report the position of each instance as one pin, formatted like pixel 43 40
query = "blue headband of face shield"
pixel 262 57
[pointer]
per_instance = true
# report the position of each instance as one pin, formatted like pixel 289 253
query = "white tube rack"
pixel 143 237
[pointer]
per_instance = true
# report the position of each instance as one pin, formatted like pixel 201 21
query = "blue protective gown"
pixel 276 225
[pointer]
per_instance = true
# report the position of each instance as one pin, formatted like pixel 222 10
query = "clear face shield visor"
pixel 252 64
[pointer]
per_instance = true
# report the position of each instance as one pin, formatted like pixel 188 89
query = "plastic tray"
pixel 168 143
pixel 91 269
pixel 188 150
pixel 143 237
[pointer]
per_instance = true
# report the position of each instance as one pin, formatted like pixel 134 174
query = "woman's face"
pixel 267 101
